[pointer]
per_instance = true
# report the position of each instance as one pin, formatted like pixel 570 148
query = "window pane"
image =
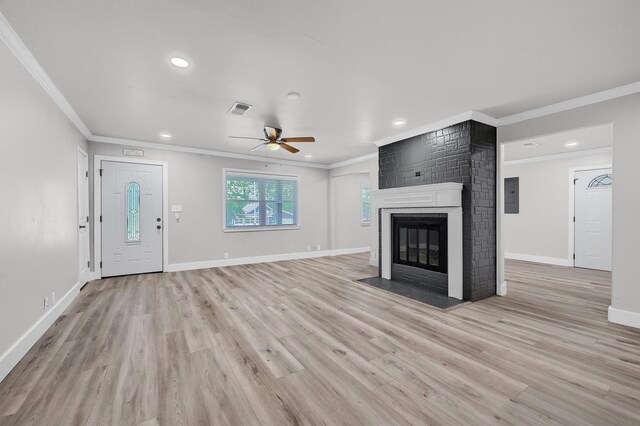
pixel 243 213
pixel 413 245
pixel 133 212
pixel 422 246
pixel 403 243
pixel 273 214
pixel 272 190
pixel 289 190
pixel 242 188
pixel 434 247
pixel 289 214
pixel 365 202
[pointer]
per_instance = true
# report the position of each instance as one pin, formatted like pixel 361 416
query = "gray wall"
pixel 38 219
pixel 623 113
pixel 349 231
pixel 195 182
pixel 541 229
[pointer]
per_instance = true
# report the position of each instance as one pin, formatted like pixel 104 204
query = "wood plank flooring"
pixel 299 342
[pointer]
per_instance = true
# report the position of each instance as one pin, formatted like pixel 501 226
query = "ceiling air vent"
pixel 239 108
pixel 530 144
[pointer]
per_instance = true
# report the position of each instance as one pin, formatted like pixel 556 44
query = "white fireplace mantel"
pixel 437 198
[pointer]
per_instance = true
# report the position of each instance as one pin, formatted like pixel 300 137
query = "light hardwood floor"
pixel 299 342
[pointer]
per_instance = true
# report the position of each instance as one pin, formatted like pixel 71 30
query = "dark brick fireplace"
pixel 462 153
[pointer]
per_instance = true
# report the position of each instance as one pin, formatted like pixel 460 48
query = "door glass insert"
pixel 133 212
pixel 434 247
pixel 402 234
pixel 413 245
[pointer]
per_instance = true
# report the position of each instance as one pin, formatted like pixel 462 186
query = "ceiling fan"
pixel 273 142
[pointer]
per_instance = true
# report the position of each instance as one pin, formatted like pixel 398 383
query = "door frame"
pixel 83 279
pixel 572 206
pixel 97 207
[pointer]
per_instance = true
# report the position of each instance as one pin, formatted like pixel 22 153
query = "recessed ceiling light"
pixel 165 135
pixel 293 96
pixel 399 123
pixel 179 62
pixel 308 156
pixel 570 144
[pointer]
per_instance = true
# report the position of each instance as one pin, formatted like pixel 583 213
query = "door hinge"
pixel 100 218
pixel 574 218
pixel 88 264
pixel 575 180
pixel 100 170
pixel 100 264
pixel 86 174
pixel 574 256
pixel 87 219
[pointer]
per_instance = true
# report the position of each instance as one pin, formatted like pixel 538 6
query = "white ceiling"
pixel 586 138
pixel 359 64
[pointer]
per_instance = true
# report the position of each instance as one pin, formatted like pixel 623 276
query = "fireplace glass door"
pixel 421 242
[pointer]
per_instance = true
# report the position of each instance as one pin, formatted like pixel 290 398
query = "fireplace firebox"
pixel 420 242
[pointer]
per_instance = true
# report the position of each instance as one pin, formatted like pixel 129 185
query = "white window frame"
pixel 254 173
pixel 362 186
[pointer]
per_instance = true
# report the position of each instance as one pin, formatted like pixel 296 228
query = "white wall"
pixel 38 219
pixel 623 113
pixel 195 182
pixel 625 298
pixel 540 232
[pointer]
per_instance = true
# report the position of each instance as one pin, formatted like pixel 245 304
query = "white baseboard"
pixel 15 353
pixel 373 261
pixel 189 266
pixel 619 316
pixel 502 289
pixel 539 259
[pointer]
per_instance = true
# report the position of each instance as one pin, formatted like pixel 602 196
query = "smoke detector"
pixel 239 108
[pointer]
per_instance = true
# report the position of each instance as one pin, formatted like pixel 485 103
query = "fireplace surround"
pixel 443 200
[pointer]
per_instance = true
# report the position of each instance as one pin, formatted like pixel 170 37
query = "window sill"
pixel 262 228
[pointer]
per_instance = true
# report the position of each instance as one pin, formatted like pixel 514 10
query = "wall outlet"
pixel 226 255
pixel 46 303
pixel 176 208
pixel 53 297
pixel 318 247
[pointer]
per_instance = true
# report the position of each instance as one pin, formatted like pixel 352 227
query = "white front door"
pixel 132 221
pixel 593 211
pixel 83 218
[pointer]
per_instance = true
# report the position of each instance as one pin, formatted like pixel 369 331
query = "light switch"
pixel 176 208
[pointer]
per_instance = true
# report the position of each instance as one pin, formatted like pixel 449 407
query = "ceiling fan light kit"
pixel 272 140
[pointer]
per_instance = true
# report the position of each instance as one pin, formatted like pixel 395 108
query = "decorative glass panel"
pixel 133 212
pixel 434 247
pixel 413 245
pixel 602 180
pixel 422 246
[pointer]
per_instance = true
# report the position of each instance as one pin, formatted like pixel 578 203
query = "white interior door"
pixel 132 221
pixel 83 218
pixel 593 211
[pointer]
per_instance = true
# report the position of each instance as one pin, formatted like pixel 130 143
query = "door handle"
pixel 82 226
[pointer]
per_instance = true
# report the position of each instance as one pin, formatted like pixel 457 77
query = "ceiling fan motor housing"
pixel 272 133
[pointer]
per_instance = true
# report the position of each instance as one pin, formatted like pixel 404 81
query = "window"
pixel 255 201
pixel 600 181
pixel 365 204
pixel 133 212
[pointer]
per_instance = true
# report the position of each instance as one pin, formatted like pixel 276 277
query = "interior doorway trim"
pixel 97 207
pixel 86 277
pixel 572 206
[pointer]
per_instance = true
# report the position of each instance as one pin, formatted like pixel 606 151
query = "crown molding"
pixel 201 151
pixel 15 44
pixel 440 124
pixel 594 98
pixel 353 160
pixel 581 153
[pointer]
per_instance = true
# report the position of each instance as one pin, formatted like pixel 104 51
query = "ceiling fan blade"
pixel 289 148
pixel 257 148
pixel 243 137
pixel 305 139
